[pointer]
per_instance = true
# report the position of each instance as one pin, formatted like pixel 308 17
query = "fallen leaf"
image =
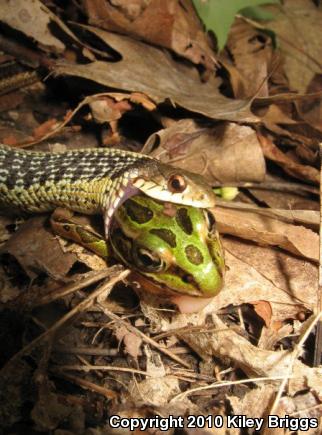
pixel 303 172
pixel 154 391
pixel 268 231
pixel 146 69
pixel 132 342
pixel 264 310
pixel 33 19
pixel 252 54
pixel 296 25
pixel 311 111
pixel 182 31
pixel 36 250
pixel 214 152
pixel 276 332
pixel 253 273
pixel 291 203
pixel 255 402
pixel 224 342
pixel 44 128
pixel 107 110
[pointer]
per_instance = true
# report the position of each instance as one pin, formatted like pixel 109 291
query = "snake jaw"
pixel 125 192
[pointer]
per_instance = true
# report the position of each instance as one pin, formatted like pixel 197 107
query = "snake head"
pixel 166 183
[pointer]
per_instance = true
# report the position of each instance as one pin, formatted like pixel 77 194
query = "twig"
pixel 86 351
pixel 226 384
pixel 72 288
pixel 87 385
pixel 89 368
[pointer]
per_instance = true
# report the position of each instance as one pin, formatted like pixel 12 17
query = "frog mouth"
pixel 186 304
pixel 148 283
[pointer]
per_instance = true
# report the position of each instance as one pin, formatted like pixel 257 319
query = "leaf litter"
pixel 246 117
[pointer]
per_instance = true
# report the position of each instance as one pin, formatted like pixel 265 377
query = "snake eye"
pixel 148 260
pixel 177 183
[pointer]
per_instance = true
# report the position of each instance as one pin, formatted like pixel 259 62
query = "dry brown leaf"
pixel 251 52
pixel 268 231
pixel 303 172
pixel 224 342
pixel 33 19
pixel 110 106
pixel 274 116
pixel 292 206
pixel 44 128
pixel 107 110
pixel 36 250
pixel 276 332
pixel 295 133
pixel 283 280
pixel 154 391
pixel 264 310
pixel 297 25
pixel 132 342
pixel 311 111
pixel 287 283
pixel 226 152
pixel 255 402
pixel 148 70
pixel 309 218
pixel 92 261
pixel 181 28
pixel 8 291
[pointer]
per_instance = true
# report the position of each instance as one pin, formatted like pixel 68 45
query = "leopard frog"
pixel 173 249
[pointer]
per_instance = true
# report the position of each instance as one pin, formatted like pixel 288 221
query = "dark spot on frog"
pixel 166 235
pixel 194 255
pixel 184 221
pixel 138 213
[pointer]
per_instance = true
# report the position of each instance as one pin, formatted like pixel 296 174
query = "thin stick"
pixel 87 385
pixel 73 287
pixel 89 368
pixel 226 384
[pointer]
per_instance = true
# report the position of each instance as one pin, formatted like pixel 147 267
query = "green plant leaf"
pixel 218 15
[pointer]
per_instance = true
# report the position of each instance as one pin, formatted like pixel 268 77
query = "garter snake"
pixel 92 181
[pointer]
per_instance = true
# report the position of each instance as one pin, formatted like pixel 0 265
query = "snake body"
pixel 94 180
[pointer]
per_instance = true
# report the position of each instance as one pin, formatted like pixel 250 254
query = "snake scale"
pixel 92 181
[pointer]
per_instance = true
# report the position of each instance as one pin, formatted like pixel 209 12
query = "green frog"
pixel 173 249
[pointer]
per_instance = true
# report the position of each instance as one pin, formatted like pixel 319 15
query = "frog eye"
pixel 211 221
pixel 177 183
pixel 148 260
